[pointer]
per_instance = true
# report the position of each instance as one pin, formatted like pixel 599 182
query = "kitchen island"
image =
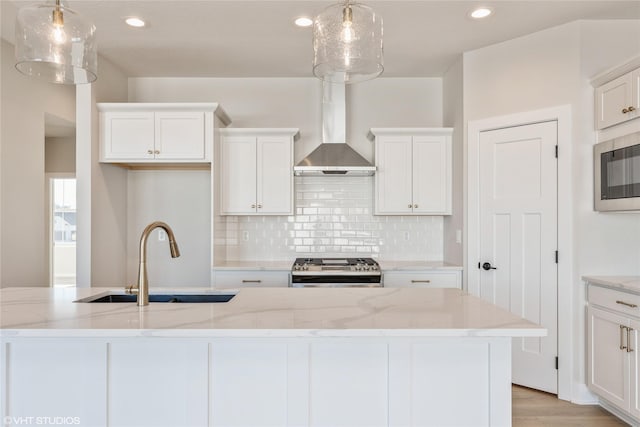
pixel 273 356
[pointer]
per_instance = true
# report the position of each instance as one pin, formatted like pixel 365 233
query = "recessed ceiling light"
pixel 134 22
pixel 481 12
pixel 304 22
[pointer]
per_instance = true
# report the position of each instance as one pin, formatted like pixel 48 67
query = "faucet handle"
pixel 131 289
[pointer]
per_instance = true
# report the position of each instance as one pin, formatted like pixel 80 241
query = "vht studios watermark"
pixel 41 421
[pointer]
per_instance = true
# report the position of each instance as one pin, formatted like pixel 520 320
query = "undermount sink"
pixel 176 298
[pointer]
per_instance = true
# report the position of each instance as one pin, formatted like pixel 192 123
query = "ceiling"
pixel 241 38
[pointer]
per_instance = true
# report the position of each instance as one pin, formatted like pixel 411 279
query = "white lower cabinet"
pixel 612 356
pixel 423 279
pixel 249 382
pixel 237 279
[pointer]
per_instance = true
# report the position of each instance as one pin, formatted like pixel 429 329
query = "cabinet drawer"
pixel 421 279
pixel 249 278
pixel 622 302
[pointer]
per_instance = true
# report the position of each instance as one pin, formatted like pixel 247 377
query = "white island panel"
pixel 61 382
pixel 348 383
pixel 249 383
pixel 157 383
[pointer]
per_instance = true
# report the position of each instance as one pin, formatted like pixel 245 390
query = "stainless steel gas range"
pixel 335 272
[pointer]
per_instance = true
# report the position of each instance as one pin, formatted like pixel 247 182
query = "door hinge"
pixel 556 362
pixel 556 151
pixel 556 257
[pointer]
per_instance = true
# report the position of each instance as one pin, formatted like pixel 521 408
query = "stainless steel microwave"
pixel 617 174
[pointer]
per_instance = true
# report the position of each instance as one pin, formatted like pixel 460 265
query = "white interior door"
pixel 518 239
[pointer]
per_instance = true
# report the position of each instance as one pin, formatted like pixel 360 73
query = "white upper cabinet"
pixel 414 171
pixel 180 135
pixel 158 133
pixel 618 100
pixel 256 176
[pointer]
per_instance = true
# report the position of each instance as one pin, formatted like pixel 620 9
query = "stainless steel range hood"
pixel 334 156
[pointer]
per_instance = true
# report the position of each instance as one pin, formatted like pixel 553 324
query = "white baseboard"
pixel 618 413
pixel 583 396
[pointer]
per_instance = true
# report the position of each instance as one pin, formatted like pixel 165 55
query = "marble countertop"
pixel 623 283
pixel 262 312
pixel 386 265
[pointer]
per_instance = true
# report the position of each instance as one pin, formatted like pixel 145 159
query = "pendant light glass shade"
pixel 55 44
pixel 347 43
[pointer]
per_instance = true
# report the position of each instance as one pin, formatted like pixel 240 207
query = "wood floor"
pixel 533 408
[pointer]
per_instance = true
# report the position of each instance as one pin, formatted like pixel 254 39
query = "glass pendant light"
pixel 347 43
pixel 56 44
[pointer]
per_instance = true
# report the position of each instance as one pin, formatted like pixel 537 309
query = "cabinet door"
pixel 611 99
pixel 127 136
pixel 238 177
pixel 431 175
pixel 393 177
pixel 635 93
pixel 634 362
pixel 275 176
pixel 179 136
pixel 608 364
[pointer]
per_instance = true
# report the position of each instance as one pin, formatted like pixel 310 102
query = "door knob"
pixel 625 111
pixel 487 266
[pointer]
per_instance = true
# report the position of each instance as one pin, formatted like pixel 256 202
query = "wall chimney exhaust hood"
pixel 334 156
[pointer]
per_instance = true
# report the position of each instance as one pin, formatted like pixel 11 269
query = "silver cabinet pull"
pixel 629 349
pixel 622 346
pixel 420 281
pixel 631 108
pixel 410 205
pixel 628 304
pixel 253 206
pixel 415 206
pixel 251 281
pixel 149 151
pixel 157 151
pixel 259 206
pixel 625 111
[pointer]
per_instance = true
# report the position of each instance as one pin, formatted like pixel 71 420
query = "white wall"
pixel 101 188
pixel 548 69
pixel 25 102
pixel 391 102
pixel 453 104
pixel 60 155
pixel 181 199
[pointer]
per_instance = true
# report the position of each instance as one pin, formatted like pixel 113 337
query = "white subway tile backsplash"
pixel 334 216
